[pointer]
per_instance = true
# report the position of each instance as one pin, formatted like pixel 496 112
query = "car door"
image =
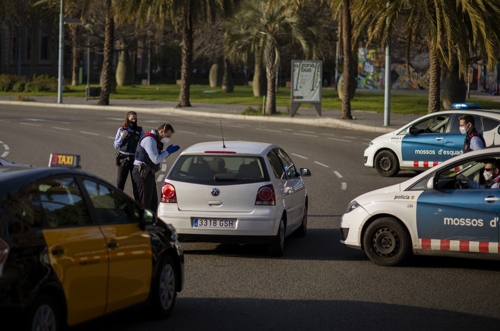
pixel 450 218
pixel 76 247
pixel 454 140
pixel 421 146
pixel 129 247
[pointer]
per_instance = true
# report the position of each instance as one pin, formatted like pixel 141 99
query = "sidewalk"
pixel 363 121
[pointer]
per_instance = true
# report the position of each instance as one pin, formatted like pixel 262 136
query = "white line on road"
pixel 340 139
pixel 4 121
pixel 115 119
pixel 343 186
pixel 6 150
pixel 306 135
pixel 91 133
pixel 269 130
pixel 350 137
pixel 189 132
pixel 58 128
pixel 321 164
pixel 30 124
pixel 111 137
pixel 329 134
pixel 35 119
pixel 297 155
pixel 6 147
pixel 308 131
pixel 160 178
pixel 338 174
pixel 287 129
pixel 163 167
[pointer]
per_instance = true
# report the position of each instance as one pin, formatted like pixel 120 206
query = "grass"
pixel 401 103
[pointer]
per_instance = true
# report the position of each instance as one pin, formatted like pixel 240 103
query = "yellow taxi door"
pixel 129 247
pixel 77 249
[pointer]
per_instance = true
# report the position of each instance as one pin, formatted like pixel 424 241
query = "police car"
pixel 74 248
pixel 429 140
pixel 435 213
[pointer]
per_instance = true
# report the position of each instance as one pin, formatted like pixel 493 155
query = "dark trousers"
pixel 121 178
pixel 146 189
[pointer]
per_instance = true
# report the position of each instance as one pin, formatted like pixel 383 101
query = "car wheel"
pixel 386 242
pixel 302 230
pixel 164 289
pixel 387 164
pixel 277 247
pixel 44 315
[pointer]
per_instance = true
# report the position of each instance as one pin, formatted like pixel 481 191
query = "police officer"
pixel 473 139
pixel 126 140
pixel 492 174
pixel 148 157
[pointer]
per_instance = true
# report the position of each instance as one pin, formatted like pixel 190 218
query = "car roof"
pixel 470 111
pixel 238 147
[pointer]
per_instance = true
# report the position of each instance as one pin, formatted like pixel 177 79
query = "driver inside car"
pixel 491 175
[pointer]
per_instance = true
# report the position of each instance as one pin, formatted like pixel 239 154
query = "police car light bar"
pixel 466 106
pixel 64 161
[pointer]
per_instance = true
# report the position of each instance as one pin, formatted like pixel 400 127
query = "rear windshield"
pixel 219 169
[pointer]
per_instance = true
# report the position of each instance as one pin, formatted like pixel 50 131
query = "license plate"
pixel 214 223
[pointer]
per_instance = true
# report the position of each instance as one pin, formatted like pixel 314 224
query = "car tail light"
pixel 168 193
pixel 4 251
pixel 266 196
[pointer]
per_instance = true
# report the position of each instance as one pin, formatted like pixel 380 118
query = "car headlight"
pixel 352 205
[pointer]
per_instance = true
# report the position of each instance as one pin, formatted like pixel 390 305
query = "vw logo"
pixel 215 191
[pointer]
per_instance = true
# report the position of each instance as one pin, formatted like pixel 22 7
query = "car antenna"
pixel 222 133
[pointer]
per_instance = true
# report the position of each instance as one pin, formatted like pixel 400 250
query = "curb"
pixel 324 122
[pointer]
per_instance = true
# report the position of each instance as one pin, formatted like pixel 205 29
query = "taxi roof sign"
pixel 466 106
pixel 64 160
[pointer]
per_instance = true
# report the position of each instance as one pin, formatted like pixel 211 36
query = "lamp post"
pixel 387 98
pixel 61 54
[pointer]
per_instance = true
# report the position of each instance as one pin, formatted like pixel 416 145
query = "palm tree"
pixel 269 29
pixel 451 29
pixel 180 12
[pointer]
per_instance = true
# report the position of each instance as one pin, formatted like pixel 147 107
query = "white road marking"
pixel 111 137
pixel 343 186
pixel 214 136
pixel 306 135
pixel 6 150
pixel 91 133
pixel 321 164
pixel 350 137
pixel 189 132
pixel 160 178
pixel 338 174
pixel 269 130
pixel 329 134
pixel 65 129
pixel 287 129
pixel 308 131
pixel 297 155
pixel 340 139
pixel 30 124
pixel 115 119
pixel 35 119
pixel 4 121
pixel 163 167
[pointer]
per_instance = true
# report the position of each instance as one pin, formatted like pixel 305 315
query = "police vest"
pixel 142 155
pixel 468 138
pixel 129 144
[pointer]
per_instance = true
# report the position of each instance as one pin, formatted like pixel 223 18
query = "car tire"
pixel 277 247
pixel 44 315
pixel 387 242
pixel 387 163
pixel 302 230
pixel 164 289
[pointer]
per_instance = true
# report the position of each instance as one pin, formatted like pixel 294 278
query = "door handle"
pixel 439 138
pixel 491 199
pixel 112 245
pixel 57 251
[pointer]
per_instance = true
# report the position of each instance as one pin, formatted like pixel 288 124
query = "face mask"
pixel 165 140
pixel 487 175
pixel 132 125
pixel 463 130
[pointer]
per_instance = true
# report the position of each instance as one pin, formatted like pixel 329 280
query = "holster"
pixel 123 160
pixel 144 170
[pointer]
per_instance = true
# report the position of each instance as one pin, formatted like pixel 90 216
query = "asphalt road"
pixel 318 284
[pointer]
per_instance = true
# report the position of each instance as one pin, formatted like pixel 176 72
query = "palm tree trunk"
pixel 107 66
pixel 76 54
pixel 258 83
pixel 434 80
pixel 187 58
pixel 271 77
pixel 348 71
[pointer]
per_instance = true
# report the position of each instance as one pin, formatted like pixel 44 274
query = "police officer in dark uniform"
pixel 148 157
pixel 473 139
pixel 126 140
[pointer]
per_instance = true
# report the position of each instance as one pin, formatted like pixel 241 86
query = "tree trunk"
pixel 271 77
pixel 107 66
pixel 258 81
pixel 453 88
pixel 227 79
pixel 434 80
pixel 347 80
pixel 187 58
pixel 76 53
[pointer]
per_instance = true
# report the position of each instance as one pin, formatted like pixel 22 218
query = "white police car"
pixel 434 213
pixel 428 140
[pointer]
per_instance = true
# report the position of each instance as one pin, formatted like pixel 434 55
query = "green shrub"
pixel 32 87
pixel 19 86
pixel 8 81
pixel 45 83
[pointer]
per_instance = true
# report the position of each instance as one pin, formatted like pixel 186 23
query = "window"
pixel 455 125
pixel 278 168
pixel 62 203
pixel 433 124
pixel 44 48
pixel 110 205
pixel 24 210
pixel 489 123
pixel 288 165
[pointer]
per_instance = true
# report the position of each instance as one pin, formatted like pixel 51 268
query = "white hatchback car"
pixel 235 192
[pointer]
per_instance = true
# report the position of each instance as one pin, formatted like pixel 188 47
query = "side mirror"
pixel 147 218
pixel 305 172
pixel 411 130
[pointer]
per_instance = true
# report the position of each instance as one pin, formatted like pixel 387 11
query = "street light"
pixel 61 54
pixel 387 98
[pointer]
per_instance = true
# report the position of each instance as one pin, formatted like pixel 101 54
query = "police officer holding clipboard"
pixel 148 157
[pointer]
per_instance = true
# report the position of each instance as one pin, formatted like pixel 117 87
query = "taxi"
pixel 448 210
pixel 429 140
pixel 74 248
